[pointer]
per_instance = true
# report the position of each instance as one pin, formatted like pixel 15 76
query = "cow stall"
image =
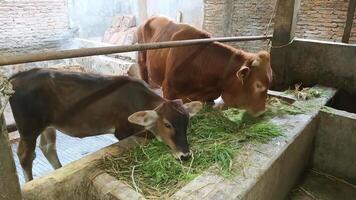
pixel 304 141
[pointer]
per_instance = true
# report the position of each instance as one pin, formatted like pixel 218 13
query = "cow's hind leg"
pixel 48 147
pixel 26 154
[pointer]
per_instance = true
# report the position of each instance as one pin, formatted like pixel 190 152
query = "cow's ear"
pixel 193 107
pixel 144 118
pixel 243 73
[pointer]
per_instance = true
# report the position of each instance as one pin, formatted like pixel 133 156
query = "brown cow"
pixel 81 105
pixel 203 72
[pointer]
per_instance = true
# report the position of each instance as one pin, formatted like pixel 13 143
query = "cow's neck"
pixel 234 60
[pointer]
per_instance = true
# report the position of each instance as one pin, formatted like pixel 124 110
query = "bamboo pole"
pixel 63 54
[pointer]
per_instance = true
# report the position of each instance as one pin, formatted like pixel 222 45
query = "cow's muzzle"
pixel 257 114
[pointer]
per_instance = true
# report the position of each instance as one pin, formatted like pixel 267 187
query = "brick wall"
pixel 27 24
pixel 213 16
pixel 239 18
pixel 251 18
pixel 317 19
pixel 322 19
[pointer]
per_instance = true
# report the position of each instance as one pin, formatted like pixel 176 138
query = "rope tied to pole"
pixel 5 92
pixel 281 46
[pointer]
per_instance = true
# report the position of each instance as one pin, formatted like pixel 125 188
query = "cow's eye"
pixel 167 125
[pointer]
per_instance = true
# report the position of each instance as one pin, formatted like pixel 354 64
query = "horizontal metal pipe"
pixel 74 53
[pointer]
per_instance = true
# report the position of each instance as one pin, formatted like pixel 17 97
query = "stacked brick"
pixel 317 19
pixel 239 18
pixel 122 30
pixel 322 19
pixel 214 16
pixel 27 24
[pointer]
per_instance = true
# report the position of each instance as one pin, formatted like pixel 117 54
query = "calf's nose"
pixel 183 156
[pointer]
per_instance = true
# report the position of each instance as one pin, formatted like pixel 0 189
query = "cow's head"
pixel 247 87
pixel 169 122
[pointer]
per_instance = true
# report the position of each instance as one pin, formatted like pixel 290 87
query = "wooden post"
pixel 349 21
pixel 285 22
pixel 9 182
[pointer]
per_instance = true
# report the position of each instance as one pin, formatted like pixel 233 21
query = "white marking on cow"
pixel 259 87
pixel 256 63
pixel 181 154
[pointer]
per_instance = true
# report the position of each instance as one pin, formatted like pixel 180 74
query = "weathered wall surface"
pixel 31 23
pixel 327 63
pixel 317 19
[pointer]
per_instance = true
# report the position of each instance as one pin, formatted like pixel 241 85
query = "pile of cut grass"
pixel 305 93
pixel 215 137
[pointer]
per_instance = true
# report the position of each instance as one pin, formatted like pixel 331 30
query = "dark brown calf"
pixel 81 105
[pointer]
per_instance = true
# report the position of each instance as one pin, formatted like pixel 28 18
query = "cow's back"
pixel 75 103
pixel 161 29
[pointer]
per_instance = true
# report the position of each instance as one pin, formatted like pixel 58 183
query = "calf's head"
pixel 169 122
pixel 247 87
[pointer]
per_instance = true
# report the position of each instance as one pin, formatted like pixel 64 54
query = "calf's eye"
pixel 167 125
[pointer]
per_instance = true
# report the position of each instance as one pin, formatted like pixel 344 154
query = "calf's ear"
pixel 243 73
pixel 144 118
pixel 193 107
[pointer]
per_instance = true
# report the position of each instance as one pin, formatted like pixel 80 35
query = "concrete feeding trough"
pixel 270 170
pixel 331 168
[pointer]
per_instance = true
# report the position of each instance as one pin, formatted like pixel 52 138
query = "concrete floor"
pixel 316 185
pixel 68 148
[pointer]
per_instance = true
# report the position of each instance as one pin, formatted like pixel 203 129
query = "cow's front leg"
pixel 124 130
pixel 168 92
pixel 122 134
pixel 219 104
pixel 128 130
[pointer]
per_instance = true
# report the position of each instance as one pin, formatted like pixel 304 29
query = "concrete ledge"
pixel 107 187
